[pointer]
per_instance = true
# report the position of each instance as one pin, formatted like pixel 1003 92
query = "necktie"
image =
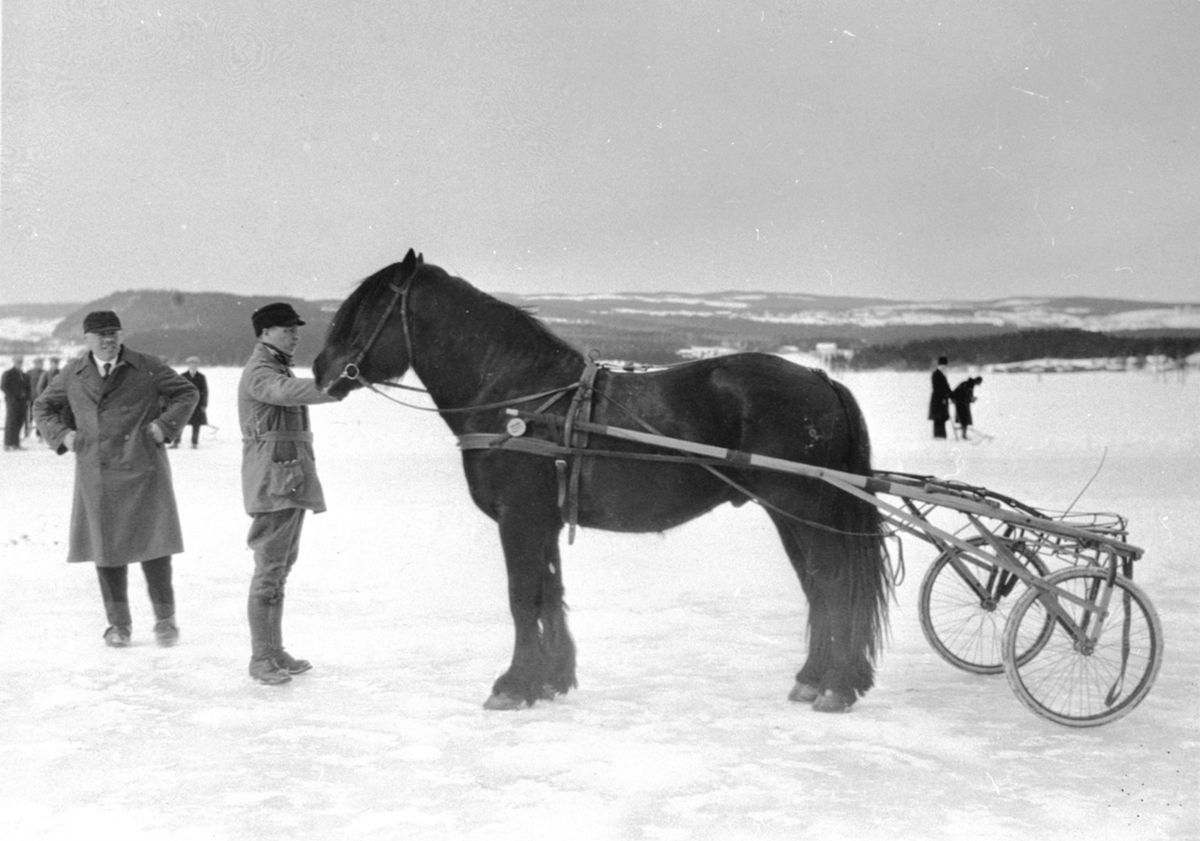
pixel 107 368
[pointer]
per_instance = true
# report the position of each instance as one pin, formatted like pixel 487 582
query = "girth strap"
pixel 567 454
pixel 568 486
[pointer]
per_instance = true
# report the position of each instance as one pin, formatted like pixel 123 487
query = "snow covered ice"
pixel 688 643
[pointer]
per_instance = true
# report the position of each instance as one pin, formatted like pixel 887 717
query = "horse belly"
pixel 644 497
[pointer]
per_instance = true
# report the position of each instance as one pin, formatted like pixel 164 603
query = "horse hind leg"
pixel 808 680
pixel 820 680
pixel 842 616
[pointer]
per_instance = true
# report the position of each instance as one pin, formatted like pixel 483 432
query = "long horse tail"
pixel 861 524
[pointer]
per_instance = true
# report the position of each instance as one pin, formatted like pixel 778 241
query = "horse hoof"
pixel 832 702
pixel 504 702
pixel 803 693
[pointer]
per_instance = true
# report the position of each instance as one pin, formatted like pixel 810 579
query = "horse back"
pixel 753 402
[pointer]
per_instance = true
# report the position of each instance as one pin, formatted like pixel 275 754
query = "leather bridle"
pixel 399 297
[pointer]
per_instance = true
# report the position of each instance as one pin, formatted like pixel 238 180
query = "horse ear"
pixel 421 258
pixel 410 262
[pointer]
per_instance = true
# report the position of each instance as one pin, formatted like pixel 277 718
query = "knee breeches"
pixel 275 539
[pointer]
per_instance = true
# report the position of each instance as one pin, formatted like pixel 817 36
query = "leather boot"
pixel 166 629
pixel 287 662
pixel 120 624
pixel 263 666
pixel 118 636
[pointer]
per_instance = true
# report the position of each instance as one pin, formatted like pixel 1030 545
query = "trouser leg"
pixel 114 589
pixel 195 434
pixel 158 582
pixel 12 423
pixel 162 597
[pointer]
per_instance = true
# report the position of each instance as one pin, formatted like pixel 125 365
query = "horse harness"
pixel 572 445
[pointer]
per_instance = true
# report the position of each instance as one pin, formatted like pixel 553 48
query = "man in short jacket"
pixel 116 409
pixel 279 480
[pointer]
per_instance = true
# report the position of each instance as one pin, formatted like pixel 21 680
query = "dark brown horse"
pixel 477 356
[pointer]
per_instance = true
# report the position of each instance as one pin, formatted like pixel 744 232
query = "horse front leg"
pixel 558 648
pixel 543 662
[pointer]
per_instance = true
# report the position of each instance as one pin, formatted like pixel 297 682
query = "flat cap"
pixel 275 315
pixel 101 321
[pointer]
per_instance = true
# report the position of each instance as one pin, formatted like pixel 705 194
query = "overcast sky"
pixel 934 149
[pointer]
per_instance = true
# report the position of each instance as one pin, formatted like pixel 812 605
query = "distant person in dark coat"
pixel 939 400
pixel 15 385
pixel 200 414
pixel 962 397
pixel 33 376
pixel 115 409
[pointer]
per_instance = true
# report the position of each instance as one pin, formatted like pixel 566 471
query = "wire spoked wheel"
pixel 965 608
pixel 1074 680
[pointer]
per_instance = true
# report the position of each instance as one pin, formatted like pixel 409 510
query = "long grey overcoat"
pixel 124 508
pixel 279 468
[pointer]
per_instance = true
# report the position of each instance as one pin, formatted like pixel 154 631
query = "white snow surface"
pixel 688 643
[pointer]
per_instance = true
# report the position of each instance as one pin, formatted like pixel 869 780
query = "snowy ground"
pixel 687 643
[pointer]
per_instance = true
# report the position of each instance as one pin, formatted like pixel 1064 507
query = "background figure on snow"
pixel 116 409
pixel 939 400
pixel 279 480
pixel 33 376
pixel 200 415
pixel 47 377
pixel 962 397
pixel 15 385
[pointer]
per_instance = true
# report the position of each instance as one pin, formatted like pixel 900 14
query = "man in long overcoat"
pixel 279 480
pixel 116 409
pixel 939 400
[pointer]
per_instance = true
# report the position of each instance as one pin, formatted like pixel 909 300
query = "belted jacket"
pixel 279 467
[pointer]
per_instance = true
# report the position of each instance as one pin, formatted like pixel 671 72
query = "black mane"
pixel 365 296
pixel 480 314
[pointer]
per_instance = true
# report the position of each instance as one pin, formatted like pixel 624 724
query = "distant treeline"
pixel 216 328
pixel 661 348
pixel 1022 346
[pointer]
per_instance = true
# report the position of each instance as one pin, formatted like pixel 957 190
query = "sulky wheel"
pixel 1073 679
pixel 964 608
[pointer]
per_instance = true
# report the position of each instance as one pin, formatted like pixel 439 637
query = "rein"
pixel 503 404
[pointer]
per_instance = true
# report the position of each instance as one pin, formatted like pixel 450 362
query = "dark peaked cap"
pixel 100 321
pixel 275 315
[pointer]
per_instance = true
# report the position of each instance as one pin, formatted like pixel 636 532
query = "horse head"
pixel 368 340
